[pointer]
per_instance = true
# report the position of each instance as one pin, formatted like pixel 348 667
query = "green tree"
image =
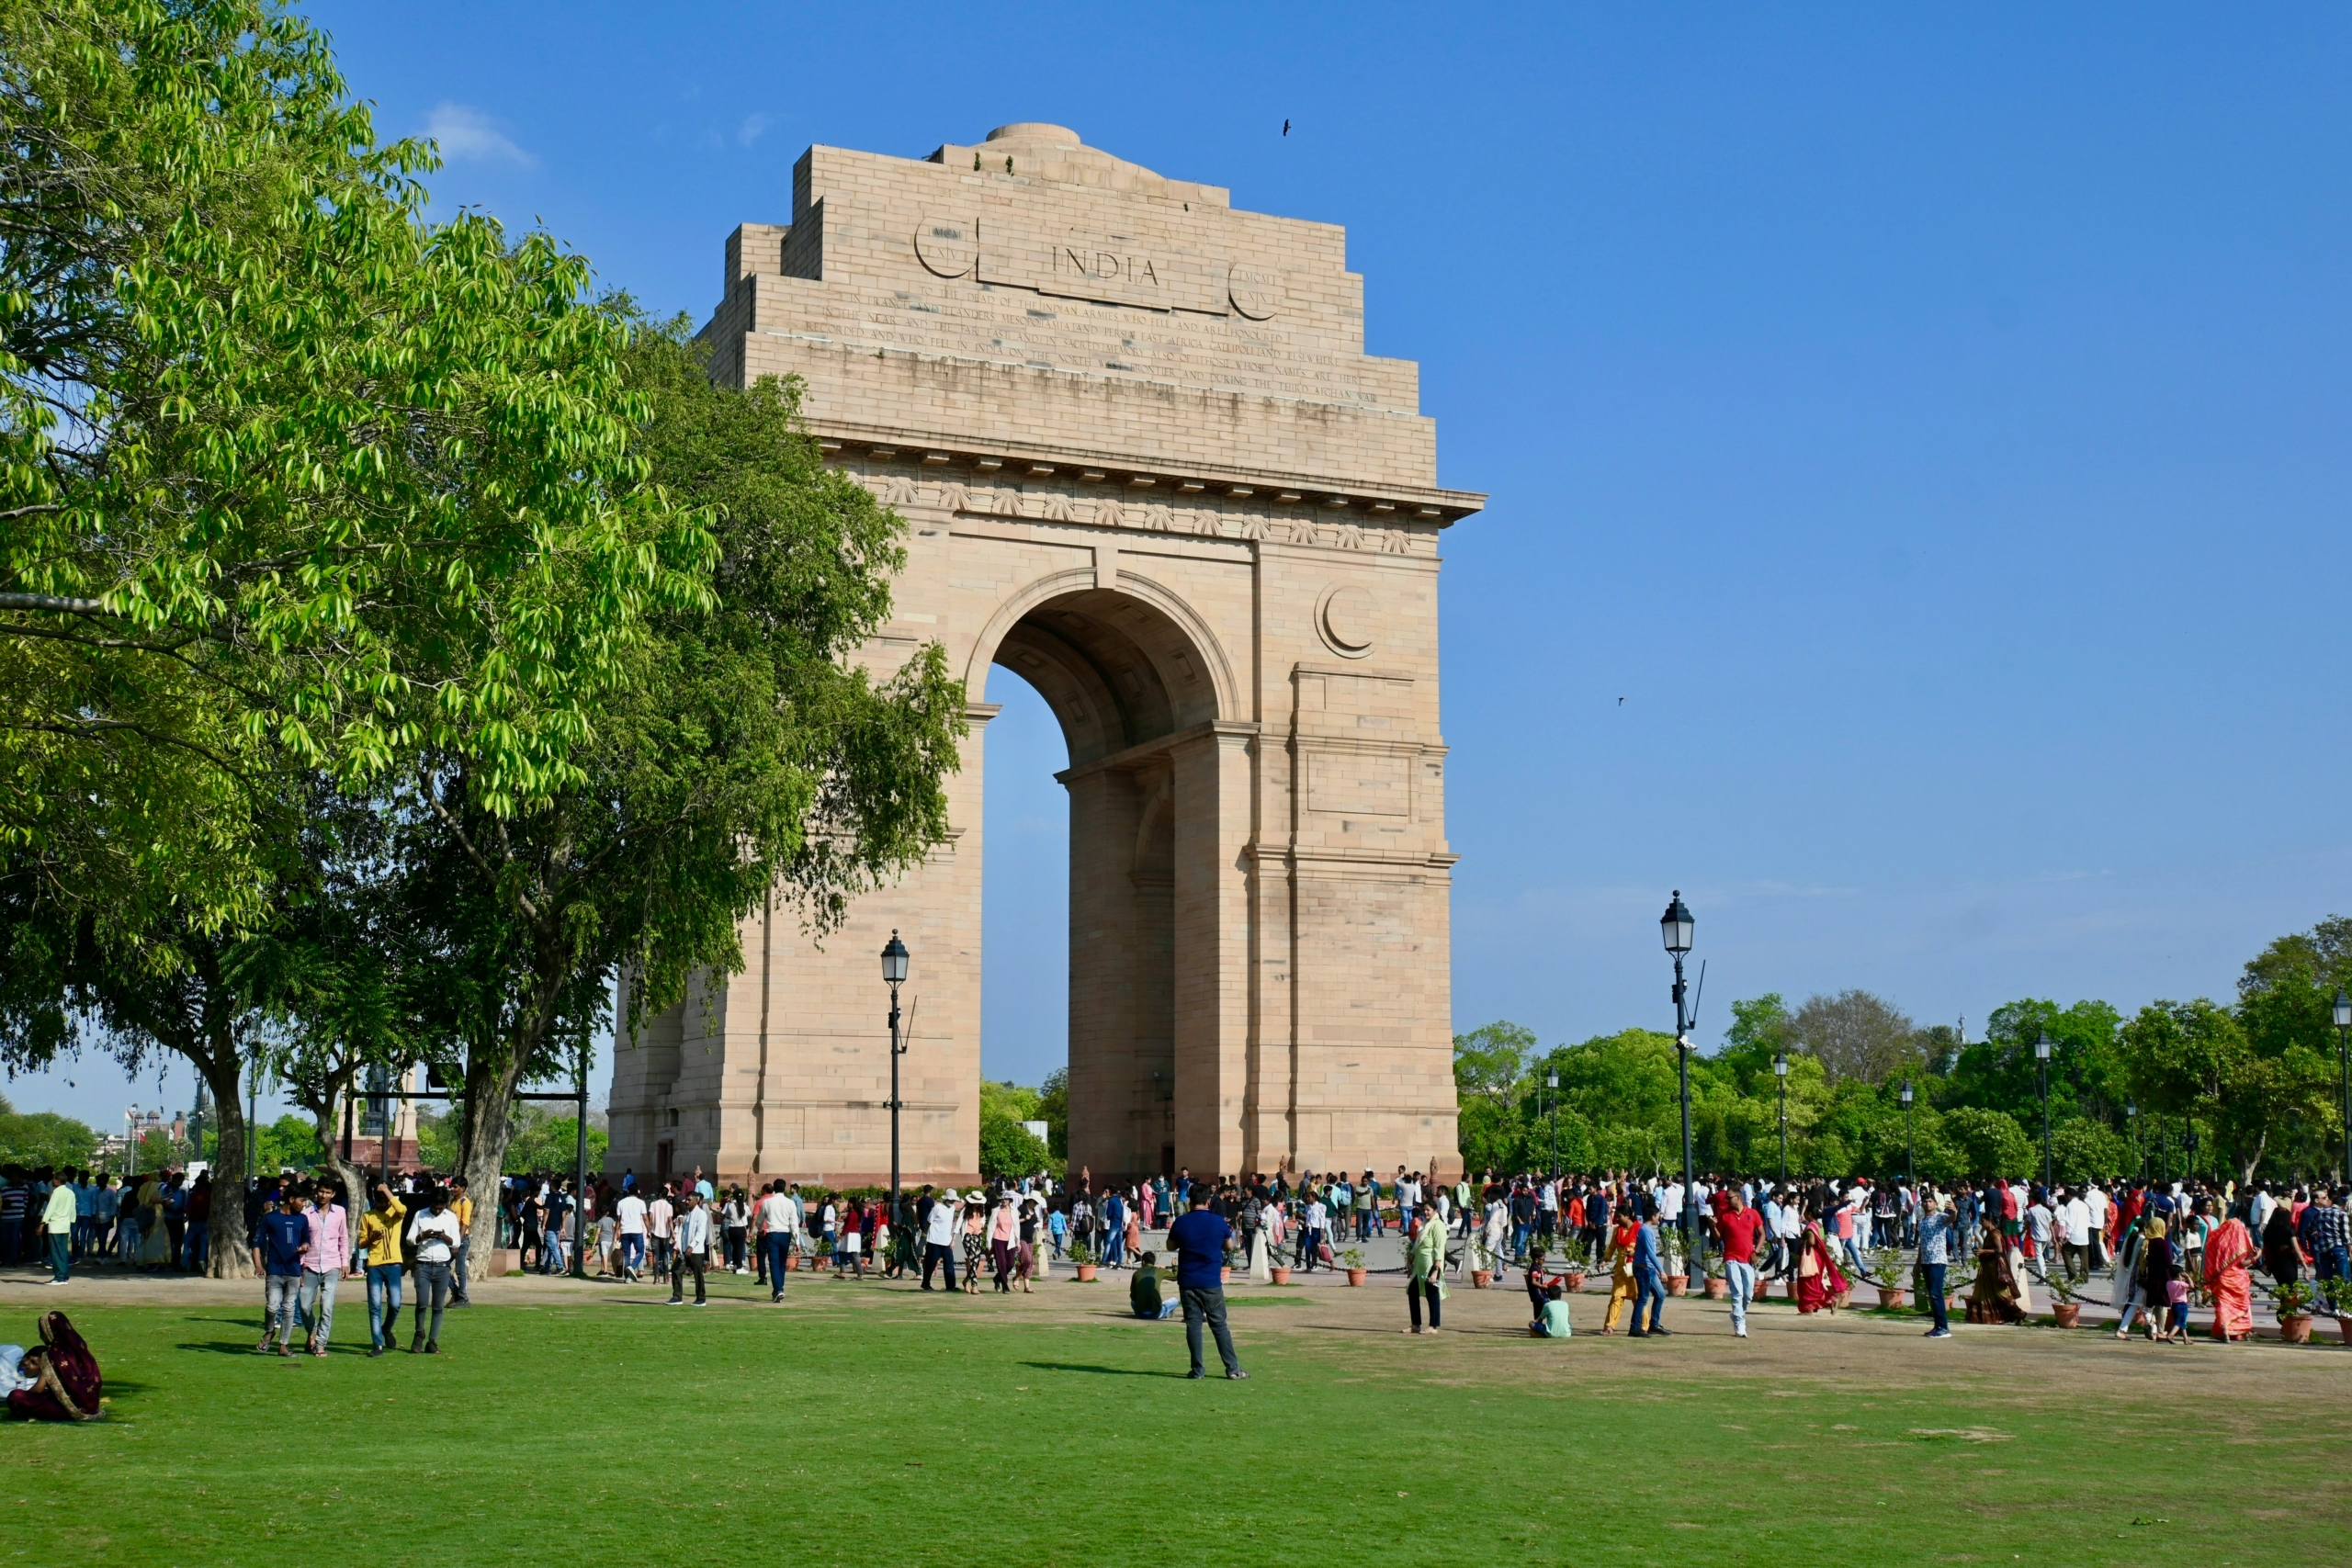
pixel 292 483
pixel 1988 1142
pixel 750 760
pixel 1009 1150
pixel 42 1140
pixel 546 1145
pixel 1053 1109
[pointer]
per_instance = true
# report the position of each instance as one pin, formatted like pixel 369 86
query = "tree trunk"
pixel 482 1136
pixel 229 1249
pixel 350 1178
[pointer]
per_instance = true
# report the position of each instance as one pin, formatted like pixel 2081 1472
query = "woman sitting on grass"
pixel 58 1382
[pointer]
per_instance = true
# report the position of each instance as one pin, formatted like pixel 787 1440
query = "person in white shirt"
pixel 630 1212
pixel 778 1218
pixel 2097 1198
pixel 658 1215
pixel 690 1248
pixel 2075 1223
pixel 938 1238
pixel 432 1239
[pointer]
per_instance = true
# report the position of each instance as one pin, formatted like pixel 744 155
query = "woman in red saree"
pixel 67 1385
pixel 2228 1251
pixel 1819 1283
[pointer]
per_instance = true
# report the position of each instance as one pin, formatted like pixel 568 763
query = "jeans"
pixel 1740 1274
pixel 1649 1287
pixel 11 1234
pixel 551 1256
pixel 683 1263
pixel 1417 1292
pixel 459 1270
pixel 1205 1303
pixel 632 1253
pixel 129 1239
pixel 1936 1294
pixel 1310 1247
pixel 432 1290
pixel 934 1254
pixel 316 1301
pixel 199 1247
pixel 2329 1263
pixel 774 1246
pixel 280 1292
pixel 61 1260
pixel 1114 1248
pixel 383 1302
pixel 1520 1236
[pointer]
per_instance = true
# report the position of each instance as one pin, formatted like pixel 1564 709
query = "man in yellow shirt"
pixel 462 1205
pixel 380 1235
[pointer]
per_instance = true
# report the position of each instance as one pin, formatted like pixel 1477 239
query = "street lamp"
pixel 1780 1071
pixel 2041 1072
pixel 1552 1083
pixel 893 971
pixel 2344 1072
pixel 2131 1124
pixel 1907 1161
pixel 1674 927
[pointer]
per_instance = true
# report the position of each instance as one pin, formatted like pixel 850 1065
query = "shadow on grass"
pixel 1105 1372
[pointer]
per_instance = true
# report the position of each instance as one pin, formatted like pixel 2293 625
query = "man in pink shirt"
pixel 323 1265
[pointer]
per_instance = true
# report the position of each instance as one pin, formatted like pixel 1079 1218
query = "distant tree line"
pixel 2242 1088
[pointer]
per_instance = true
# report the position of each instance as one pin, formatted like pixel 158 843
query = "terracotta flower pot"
pixel 1355 1276
pixel 1888 1296
pixel 2066 1315
pixel 1480 1279
pixel 2294 1328
pixel 1674 1283
pixel 1573 1283
pixel 1280 1275
pixel 1224 1276
pixel 1716 1289
pixel 1085 1271
pixel 2344 1327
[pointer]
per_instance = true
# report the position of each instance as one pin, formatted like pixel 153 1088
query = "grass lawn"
pixel 873 1424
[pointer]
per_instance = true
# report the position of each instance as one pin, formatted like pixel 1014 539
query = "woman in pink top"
pixel 1005 1232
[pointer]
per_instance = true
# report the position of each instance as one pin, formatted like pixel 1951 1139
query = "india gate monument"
pixel 1146 466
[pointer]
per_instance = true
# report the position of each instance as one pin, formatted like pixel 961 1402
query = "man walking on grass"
pixel 1200 1240
pixel 278 1245
pixel 1737 1231
pixel 692 1252
pixel 778 1223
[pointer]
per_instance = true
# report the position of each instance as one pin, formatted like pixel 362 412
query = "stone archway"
pixel 1148 467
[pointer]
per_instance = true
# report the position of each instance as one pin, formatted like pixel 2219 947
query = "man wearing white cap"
pixel 938 1238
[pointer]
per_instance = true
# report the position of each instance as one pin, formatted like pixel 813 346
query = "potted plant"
pixel 1573 1260
pixel 1279 1272
pixel 2338 1297
pixel 2293 1301
pixel 1677 1272
pixel 1082 1255
pixel 1885 1271
pixel 824 1252
pixel 1352 1259
pixel 1717 1284
pixel 2065 1300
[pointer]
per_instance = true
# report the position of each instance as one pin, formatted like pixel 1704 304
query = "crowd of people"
pixel 1997 1248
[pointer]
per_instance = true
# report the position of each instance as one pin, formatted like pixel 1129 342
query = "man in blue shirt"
pixel 1938 1244
pixel 1199 1239
pixel 278 1245
pixel 1650 1275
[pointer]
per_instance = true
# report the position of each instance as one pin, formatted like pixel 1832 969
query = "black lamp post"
pixel 2041 1072
pixel 1552 1084
pixel 1780 1071
pixel 893 970
pixel 2192 1151
pixel 1907 1160
pixel 1674 927
pixel 2132 1123
pixel 2343 1074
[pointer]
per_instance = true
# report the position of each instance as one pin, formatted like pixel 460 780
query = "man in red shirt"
pixel 1737 1232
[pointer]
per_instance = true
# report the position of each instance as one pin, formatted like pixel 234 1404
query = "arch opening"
pixel 1119 673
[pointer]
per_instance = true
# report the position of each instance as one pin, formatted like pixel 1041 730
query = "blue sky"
pixel 1931 423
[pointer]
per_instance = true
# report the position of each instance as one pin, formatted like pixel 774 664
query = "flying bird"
pixel 1286 127
pixel 1621 702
